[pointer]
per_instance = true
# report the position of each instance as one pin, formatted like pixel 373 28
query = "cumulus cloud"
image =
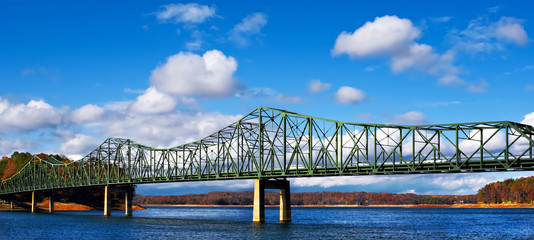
pixel 8 146
pixel 385 35
pixel 163 130
pixel 188 74
pixel 349 95
pixel 87 113
pixel 25 117
pixel 482 35
pixel 249 26
pixel 153 102
pixel 78 145
pixel 418 56
pixel 529 119
pixel 410 117
pixel 316 86
pixel 185 13
pixel 396 39
pixel 461 184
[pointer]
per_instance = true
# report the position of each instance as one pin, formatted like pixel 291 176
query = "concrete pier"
pixel 285 203
pixel 107 201
pixel 259 199
pixel 51 204
pixel 34 207
pixel 128 203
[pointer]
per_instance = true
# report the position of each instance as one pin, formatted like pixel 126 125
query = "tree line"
pixel 306 198
pixel 508 191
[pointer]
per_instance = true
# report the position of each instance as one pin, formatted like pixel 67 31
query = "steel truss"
pixel 274 143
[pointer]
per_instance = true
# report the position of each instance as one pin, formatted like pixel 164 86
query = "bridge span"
pixel 271 145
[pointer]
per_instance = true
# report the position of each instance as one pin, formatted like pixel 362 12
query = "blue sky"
pixel 165 72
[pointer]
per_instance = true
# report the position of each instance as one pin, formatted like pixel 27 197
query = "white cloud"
pixel 349 95
pixel 410 117
pixel 79 144
pixel 386 35
pixel 316 86
pixel 511 29
pixel 233 185
pixel 529 119
pixel 250 25
pixel 394 37
pixel 481 35
pixel 188 74
pixel 185 13
pixel 153 102
pixel 25 117
pixel 419 56
pixel 348 180
pixel 8 146
pixel 468 184
pixel 164 130
pixel 87 113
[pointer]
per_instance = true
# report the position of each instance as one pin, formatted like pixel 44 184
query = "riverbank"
pixel 58 206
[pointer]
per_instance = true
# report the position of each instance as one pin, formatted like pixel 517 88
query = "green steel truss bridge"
pixel 271 143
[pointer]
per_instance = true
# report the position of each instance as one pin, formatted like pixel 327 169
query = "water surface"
pixel 312 223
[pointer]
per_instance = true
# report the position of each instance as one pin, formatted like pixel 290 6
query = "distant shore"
pixel 58 206
pixel 462 205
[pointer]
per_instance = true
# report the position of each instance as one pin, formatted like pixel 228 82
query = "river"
pixel 206 223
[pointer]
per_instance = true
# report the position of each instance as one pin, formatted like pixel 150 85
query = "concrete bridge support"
pixel 107 201
pixel 127 200
pixel 34 207
pixel 128 203
pixel 259 199
pixel 51 203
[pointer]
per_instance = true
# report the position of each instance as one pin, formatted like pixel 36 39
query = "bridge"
pixel 271 145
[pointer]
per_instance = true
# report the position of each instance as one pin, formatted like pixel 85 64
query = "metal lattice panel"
pixel 273 143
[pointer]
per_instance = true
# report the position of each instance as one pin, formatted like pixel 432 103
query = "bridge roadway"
pixel 271 145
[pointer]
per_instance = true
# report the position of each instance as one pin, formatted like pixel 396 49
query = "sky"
pixel 165 73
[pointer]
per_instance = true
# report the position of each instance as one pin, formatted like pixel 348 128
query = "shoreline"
pixel 59 207
pixel 462 205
